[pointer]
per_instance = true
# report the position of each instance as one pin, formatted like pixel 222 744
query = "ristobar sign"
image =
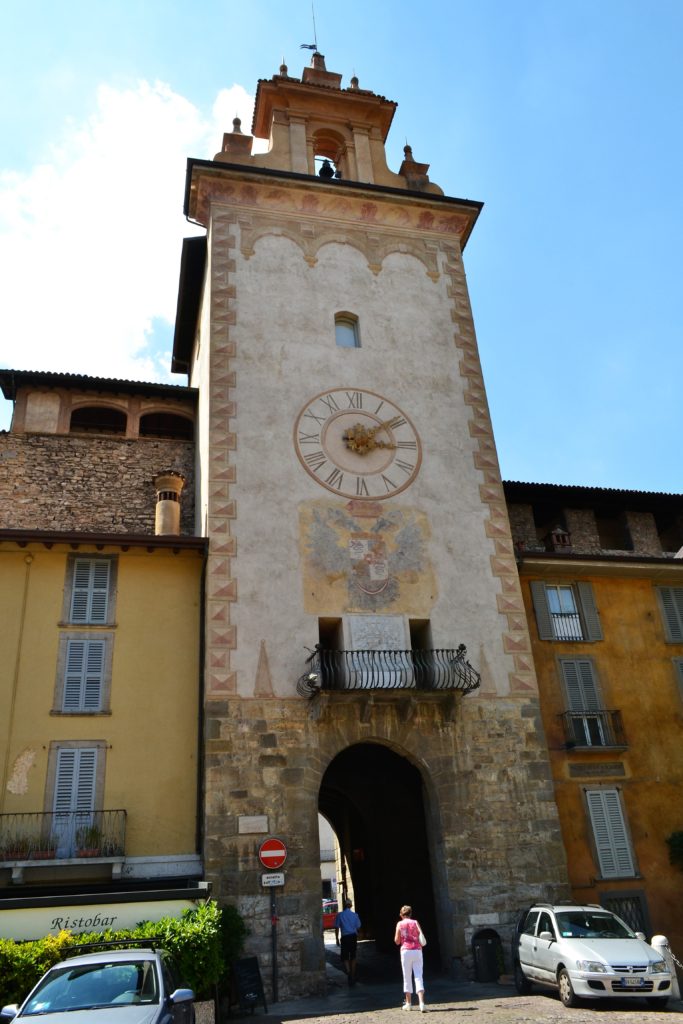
pixel 27 918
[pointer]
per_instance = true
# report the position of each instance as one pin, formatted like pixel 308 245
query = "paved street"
pixel 376 999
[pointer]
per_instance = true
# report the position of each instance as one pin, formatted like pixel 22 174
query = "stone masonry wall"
pixel 497 842
pixel 643 530
pixel 50 482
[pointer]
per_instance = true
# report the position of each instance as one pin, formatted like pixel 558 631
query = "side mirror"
pixel 9 1012
pixel 548 936
pixel 182 995
pixel 640 935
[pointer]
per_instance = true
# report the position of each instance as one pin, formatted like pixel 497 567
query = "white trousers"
pixel 411 964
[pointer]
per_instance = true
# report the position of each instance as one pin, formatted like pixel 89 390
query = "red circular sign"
pixel 272 853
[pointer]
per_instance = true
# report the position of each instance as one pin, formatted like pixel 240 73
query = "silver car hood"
pixel 135 1014
pixel 615 951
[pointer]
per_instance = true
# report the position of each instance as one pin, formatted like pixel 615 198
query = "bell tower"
pixel 366 648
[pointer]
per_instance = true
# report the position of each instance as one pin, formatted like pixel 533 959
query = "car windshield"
pixel 86 986
pixel 583 924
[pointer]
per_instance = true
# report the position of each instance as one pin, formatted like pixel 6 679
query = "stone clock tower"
pixel 350 490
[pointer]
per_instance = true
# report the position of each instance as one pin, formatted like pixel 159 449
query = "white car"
pixel 587 952
pixel 112 986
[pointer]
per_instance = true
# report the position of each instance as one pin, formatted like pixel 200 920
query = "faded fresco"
pixel 365 556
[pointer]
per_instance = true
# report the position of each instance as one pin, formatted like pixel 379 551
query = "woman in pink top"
pixel 407 936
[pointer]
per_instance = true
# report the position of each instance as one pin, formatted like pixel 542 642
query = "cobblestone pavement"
pixel 377 997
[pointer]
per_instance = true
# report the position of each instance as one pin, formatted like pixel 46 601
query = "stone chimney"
pixel 167 516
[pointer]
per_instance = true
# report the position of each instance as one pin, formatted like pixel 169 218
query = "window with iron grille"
pixel 565 611
pixel 584 703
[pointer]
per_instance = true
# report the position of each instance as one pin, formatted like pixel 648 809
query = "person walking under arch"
pixel 407 936
pixel 347 922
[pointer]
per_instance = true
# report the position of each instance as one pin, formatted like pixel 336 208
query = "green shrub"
pixel 203 942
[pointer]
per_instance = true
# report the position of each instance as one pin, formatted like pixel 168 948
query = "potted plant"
pixel 88 841
pixel 15 848
pixel 44 848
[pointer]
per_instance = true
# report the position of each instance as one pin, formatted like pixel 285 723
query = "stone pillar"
pixel 167 516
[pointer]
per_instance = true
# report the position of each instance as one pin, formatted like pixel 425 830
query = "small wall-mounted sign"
pixel 251 824
pixel 273 878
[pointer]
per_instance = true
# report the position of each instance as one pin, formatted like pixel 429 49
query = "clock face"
pixel 358 444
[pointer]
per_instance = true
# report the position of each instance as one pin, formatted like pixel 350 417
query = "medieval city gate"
pixel 375 801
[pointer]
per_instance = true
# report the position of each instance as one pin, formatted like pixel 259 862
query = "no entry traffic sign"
pixel 272 853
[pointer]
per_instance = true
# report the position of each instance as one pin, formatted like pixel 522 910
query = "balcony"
pixel 414 670
pixel 593 729
pixel 34 838
pixel 567 625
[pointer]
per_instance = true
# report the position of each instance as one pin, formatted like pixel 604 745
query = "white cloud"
pixel 90 239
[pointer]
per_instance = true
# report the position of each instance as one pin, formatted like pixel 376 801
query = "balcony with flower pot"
pixel 64 839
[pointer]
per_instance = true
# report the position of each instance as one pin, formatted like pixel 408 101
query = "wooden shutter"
pixel 678 669
pixel 609 831
pixel 84 675
pixel 672 605
pixel 589 610
pixel 543 620
pixel 75 781
pixel 90 594
pixel 581 685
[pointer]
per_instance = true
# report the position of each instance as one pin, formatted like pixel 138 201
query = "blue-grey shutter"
pixel 609 831
pixel 543 619
pixel 90 594
pixel 84 675
pixel 74 797
pixel 590 612
pixel 672 604
pixel 581 686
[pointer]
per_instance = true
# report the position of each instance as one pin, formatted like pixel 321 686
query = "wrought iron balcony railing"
pixel 567 625
pixel 36 836
pixel 593 729
pixel 388 670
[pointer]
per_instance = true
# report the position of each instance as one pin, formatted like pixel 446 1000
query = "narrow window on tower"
pixel 346 332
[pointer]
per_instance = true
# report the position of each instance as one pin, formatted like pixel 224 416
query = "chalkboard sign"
pixel 249 987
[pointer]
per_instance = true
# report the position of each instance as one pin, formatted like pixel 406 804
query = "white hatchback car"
pixel 587 952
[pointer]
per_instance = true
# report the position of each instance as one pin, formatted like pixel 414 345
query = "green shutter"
pixel 609 831
pixel 589 610
pixel 543 620
pixel 672 605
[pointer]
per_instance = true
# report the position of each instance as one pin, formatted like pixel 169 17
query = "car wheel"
pixel 567 994
pixel 657 1003
pixel 522 983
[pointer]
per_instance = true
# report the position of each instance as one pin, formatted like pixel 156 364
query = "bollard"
pixel 661 944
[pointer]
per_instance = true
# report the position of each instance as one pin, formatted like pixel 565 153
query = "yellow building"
pixel 99 650
pixel 602 578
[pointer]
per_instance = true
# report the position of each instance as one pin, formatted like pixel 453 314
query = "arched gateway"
pixel 374 798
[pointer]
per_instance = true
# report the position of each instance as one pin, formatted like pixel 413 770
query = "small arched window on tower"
pixel 346 332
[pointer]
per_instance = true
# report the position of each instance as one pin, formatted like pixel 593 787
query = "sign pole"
pixel 273 941
pixel 273 853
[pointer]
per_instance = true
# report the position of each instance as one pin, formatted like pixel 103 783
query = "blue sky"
pixel 563 118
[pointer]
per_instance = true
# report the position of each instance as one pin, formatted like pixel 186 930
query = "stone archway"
pixel 375 800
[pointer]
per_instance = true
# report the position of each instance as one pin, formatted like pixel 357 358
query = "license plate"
pixel 632 982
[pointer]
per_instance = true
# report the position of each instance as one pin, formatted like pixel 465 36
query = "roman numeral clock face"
pixel 358 444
